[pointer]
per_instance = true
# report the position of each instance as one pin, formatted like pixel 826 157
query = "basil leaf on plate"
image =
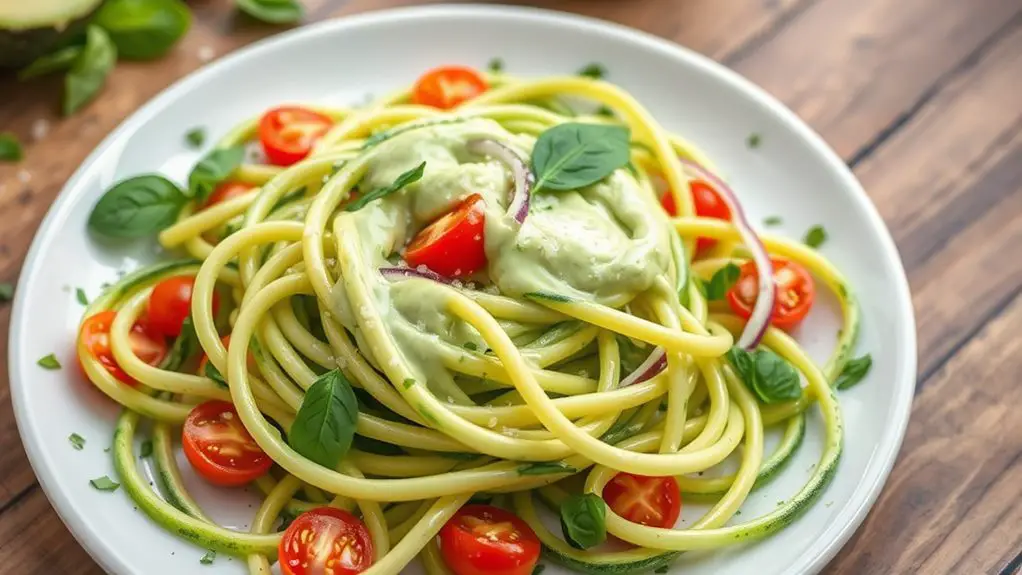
pixel 766 374
pixel 137 207
pixel 815 237
pixel 10 148
pixel 325 423
pixel 212 169
pixel 583 520
pixel 89 71
pixel 49 362
pixel 572 155
pixel 104 484
pixel 195 137
pixel 144 29
pixel 854 371
pixel 722 280
pixel 272 11
pixel 54 62
pixel 411 176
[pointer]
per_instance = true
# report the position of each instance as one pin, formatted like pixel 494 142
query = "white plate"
pixel 793 173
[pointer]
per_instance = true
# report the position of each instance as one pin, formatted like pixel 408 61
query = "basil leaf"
pixel 571 155
pixel 815 237
pixel 770 378
pixel 195 137
pixel 595 70
pixel 104 483
pixel 412 175
pixel 6 292
pixel 854 371
pixel 213 373
pixel 722 280
pixel 214 168
pixel 144 29
pixel 546 468
pixel 10 148
pixel 137 207
pixel 49 362
pixel 89 71
pixel 56 62
pixel 185 346
pixel 325 423
pixel 272 11
pixel 583 520
pixel 77 441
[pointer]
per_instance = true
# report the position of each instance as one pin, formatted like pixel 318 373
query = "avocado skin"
pixel 19 48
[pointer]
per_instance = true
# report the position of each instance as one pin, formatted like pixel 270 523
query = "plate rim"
pixel 849 522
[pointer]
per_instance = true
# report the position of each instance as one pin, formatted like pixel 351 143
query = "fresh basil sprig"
pixel 583 520
pixel 770 378
pixel 412 175
pixel 184 348
pixel 854 371
pixel 722 280
pixel 573 155
pixel 56 62
pixel 137 207
pixel 325 423
pixel 89 71
pixel 144 29
pixel 272 11
pixel 212 169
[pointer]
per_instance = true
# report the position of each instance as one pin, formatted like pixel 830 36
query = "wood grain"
pixel 921 96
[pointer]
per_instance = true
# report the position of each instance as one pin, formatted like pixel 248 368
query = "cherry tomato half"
pixel 795 292
pixel 228 191
pixel 651 501
pixel 170 303
pixel 288 133
pixel 487 540
pixel 708 204
pixel 219 447
pixel 448 86
pixel 146 346
pixel 325 541
pixel 453 245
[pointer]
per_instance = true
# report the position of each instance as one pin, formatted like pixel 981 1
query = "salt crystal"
pixel 206 53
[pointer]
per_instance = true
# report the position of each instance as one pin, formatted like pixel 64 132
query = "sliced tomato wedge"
pixel 487 540
pixel 288 133
pixel 170 303
pixel 228 191
pixel 651 501
pixel 448 86
pixel 708 204
pixel 325 541
pixel 453 245
pixel 95 333
pixel 795 292
pixel 219 447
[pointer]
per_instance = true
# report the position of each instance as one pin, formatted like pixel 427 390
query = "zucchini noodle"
pixel 510 379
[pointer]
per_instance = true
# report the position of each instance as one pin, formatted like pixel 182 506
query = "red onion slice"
pixel 760 318
pixel 420 272
pixel 654 364
pixel 518 207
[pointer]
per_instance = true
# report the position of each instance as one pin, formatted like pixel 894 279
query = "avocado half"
pixel 31 28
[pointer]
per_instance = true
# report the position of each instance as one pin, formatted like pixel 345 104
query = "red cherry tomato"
pixel 219 447
pixel 487 540
pixel 651 501
pixel 795 292
pixel 95 333
pixel 325 541
pixel 228 191
pixel 453 245
pixel 448 86
pixel 708 204
pixel 288 133
pixel 170 303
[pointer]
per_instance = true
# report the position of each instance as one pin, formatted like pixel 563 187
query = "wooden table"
pixel 923 98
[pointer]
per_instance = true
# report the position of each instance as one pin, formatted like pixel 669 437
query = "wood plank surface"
pixel 922 97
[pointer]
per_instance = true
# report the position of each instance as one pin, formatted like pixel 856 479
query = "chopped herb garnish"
pixel 146 449
pixel 661 569
pixel 77 441
pixel 595 71
pixel 6 291
pixel 773 221
pixel 104 484
pixel 854 371
pixel 815 237
pixel 208 557
pixel 10 148
pixel 753 141
pixel 49 362
pixel 471 346
pixel 409 177
pixel 496 65
pixel 409 382
pixel 605 111
pixel 80 295
pixel 196 137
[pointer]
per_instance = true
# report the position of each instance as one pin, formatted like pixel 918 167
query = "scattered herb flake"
pixel 773 221
pixel 496 65
pixel 815 237
pixel 49 362
pixel 595 70
pixel 471 346
pixel 661 569
pixel 77 441
pixel 753 141
pixel 146 449
pixel 411 176
pixel 6 291
pixel 409 383
pixel 80 295
pixel 208 558
pixel 104 484
pixel 10 148
pixel 196 137
pixel 854 371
